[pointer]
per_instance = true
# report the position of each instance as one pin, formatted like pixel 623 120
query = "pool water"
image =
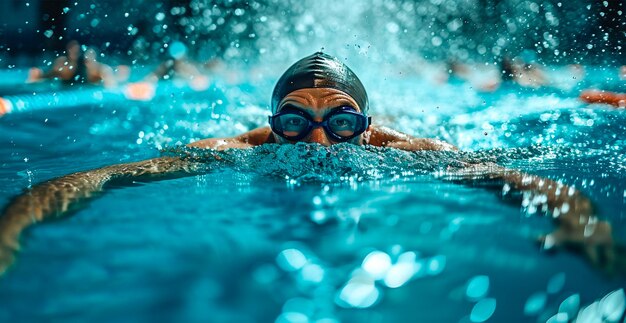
pixel 306 233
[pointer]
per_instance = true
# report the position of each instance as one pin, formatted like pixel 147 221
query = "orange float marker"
pixel 617 100
pixel 140 91
pixel 5 106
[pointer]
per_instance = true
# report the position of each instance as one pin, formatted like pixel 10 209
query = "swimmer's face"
pixel 317 103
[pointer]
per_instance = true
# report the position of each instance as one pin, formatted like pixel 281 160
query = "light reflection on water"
pixel 372 254
pixel 345 240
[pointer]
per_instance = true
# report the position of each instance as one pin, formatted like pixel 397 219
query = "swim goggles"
pixel 342 124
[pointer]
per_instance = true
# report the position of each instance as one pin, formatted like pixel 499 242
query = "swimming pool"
pixel 305 233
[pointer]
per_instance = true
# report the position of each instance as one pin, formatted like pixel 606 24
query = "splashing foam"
pixel 304 162
pixel 312 162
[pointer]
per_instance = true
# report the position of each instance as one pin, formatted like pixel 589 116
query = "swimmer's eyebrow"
pixel 338 99
pixel 291 106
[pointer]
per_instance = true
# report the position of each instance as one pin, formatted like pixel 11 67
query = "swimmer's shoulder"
pixel 381 136
pixel 258 136
pixel 387 137
pixel 249 139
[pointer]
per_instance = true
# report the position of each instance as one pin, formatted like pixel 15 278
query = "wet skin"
pixel 65 68
pixel 318 102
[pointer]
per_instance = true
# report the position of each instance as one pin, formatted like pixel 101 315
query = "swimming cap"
pixel 318 71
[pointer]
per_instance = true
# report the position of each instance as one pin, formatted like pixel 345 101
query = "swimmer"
pixel 482 77
pixel 523 73
pixel 317 100
pixel 78 66
pixel 176 67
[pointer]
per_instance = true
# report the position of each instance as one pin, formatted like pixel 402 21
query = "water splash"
pixel 342 162
pixel 304 162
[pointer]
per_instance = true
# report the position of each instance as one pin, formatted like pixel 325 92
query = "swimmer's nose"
pixel 318 135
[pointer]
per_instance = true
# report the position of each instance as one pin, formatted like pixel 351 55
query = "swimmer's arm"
pixel 59 66
pixel 577 224
pixel 249 139
pixel 386 137
pixel 36 74
pixel 57 197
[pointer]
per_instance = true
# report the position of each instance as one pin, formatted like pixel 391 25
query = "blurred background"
pixel 138 31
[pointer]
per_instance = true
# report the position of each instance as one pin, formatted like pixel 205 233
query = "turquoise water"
pixel 290 233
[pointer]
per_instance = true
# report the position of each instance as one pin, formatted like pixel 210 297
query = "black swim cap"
pixel 317 71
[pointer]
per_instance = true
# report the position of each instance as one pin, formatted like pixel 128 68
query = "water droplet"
pixel 292 317
pixel 291 259
pixel 558 318
pixel 477 287
pixel 556 283
pixel 613 305
pixel 377 263
pixel 535 303
pixel 570 305
pixel 399 274
pixel 319 216
pixel 436 265
pixel 483 310
pixel 313 273
pixel 358 293
pixel 299 305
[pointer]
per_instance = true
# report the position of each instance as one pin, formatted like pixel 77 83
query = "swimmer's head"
pixel 320 71
pixel 320 100
pixel 73 49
